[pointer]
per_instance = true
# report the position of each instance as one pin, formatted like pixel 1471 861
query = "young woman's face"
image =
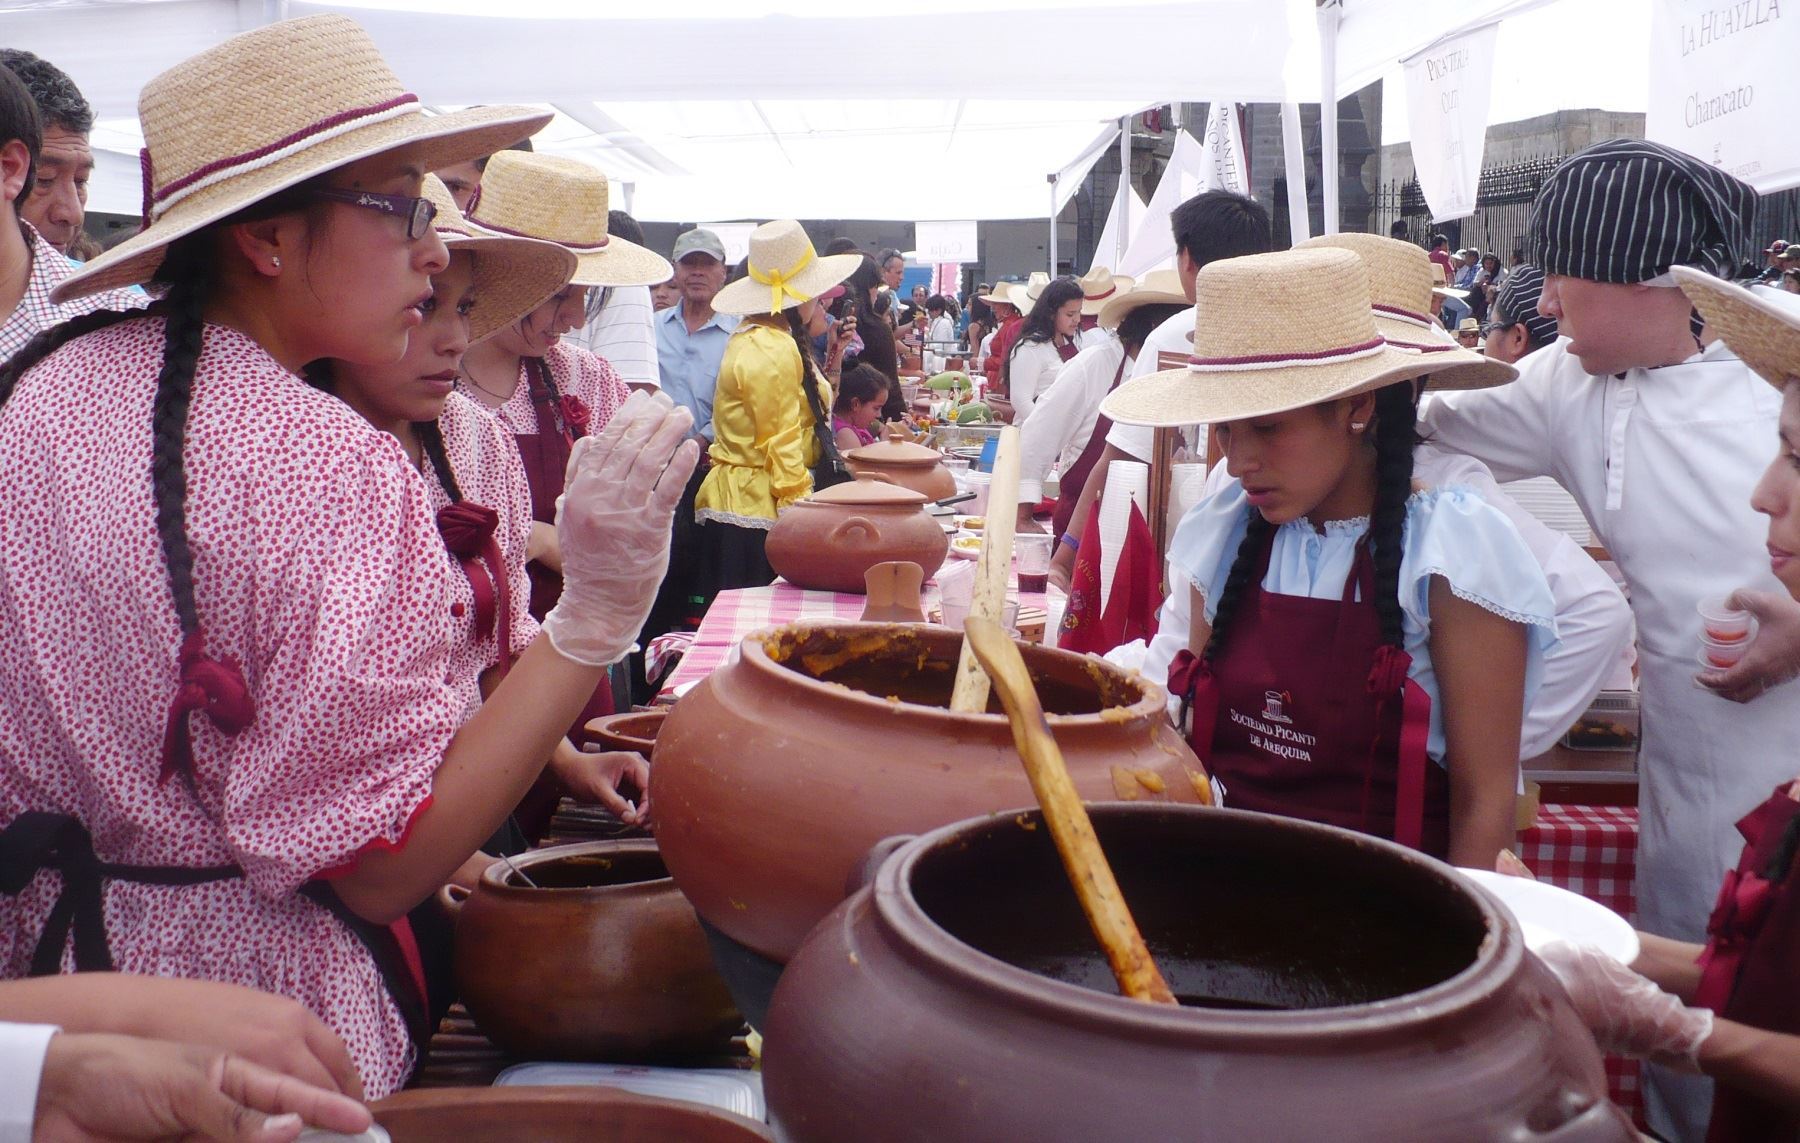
pixel 534 334
pixel 864 413
pixel 1290 463
pixel 1777 495
pixel 1068 318
pixel 360 287
pixel 664 295
pixel 415 388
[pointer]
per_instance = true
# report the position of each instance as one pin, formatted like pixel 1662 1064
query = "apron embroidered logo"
pixel 1275 736
pixel 1272 704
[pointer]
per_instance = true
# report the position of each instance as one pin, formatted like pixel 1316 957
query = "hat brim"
pixel 1187 397
pixel 1765 336
pixel 513 276
pixel 455 137
pixel 621 263
pixel 1453 367
pixel 1449 292
pixel 748 296
pixel 1121 285
pixel 1115 309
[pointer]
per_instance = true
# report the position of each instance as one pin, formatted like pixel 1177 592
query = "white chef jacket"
pixel 1174 335
pixel 1662 462
pixel 1064 419
pixel 1034 368
pixel 1593 621
pixel 22 1051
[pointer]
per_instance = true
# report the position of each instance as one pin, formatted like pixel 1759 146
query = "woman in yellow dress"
pixel 770 397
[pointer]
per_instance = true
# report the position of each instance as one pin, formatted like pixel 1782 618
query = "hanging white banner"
pixel 936 242
pixel 1447 90
pixel 1152 244
pixel 1223 167
pixel 1726 87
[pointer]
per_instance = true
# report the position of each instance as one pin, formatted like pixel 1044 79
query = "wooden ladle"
pixel 1070 826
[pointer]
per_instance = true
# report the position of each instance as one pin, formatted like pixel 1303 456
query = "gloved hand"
pixel 1774 656
pixel 1628 1014
pixel 619 496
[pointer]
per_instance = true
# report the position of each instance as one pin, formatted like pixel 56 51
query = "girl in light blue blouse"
pixel 1358 650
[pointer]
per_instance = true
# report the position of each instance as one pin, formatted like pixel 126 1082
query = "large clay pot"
pixel 909 465
pixel 776 774
pixel 604 960
pixel 830 539
pixel 556 1115
pixel 633 731
pixel 1344 988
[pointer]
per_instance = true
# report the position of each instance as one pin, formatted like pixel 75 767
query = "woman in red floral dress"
pixel 228 746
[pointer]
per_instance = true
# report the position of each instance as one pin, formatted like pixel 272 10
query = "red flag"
pixel 1081 625
pixel 1136 586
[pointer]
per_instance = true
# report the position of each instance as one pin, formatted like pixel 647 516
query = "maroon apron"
pixel 1750 971
pixel 1308 714
pixel 1070 484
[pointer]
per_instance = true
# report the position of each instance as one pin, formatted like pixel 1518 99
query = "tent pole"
pixel 1054 180
pixel 1329 14
pixel 1293 157
pixel 1124 190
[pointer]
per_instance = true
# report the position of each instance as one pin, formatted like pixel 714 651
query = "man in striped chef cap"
pixel 1660 433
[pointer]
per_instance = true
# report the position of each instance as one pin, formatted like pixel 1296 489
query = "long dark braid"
pixel 809 374
pixel 1395 419
pixel 1243 570
pixel 188 268
pixel 539 369
pixel 431 441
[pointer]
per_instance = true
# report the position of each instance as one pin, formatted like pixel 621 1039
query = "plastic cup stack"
pixel 1725 634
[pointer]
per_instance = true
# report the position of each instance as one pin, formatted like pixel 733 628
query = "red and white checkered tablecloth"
pixel 1592 850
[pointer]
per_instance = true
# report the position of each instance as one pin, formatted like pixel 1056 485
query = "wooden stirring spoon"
pixel 1070 826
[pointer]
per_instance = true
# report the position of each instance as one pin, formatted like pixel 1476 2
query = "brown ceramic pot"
pixel 633 730
pixel 556 1115
pixel 604 960
pixel 777 773
pixel 1334 987
pixel 911 361
pixel 830 539
pixel 909 465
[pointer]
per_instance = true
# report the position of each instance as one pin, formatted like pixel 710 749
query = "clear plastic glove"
pixel 612 521
pixel 1629 1015
pixel 1774 656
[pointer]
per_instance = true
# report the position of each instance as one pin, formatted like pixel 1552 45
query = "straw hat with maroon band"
pixel 1159 288
pixel 1400 284
pixel 1272 332
pixel 1098 286
pixel 548 197
pixel 265 111
pixel 1761 326
pixel 513 276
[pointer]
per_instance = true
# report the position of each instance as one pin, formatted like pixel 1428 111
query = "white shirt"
pixel 942 333
pixel 1593 621
pixel 1065 417
pixel 1174 335
pixel 22 1051
pixel 1093 335
pixel 623 334
pixel 1034 368
pixel 1662 462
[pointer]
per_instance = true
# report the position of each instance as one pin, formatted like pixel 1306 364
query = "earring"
pixel 275 262
pixel 1359 426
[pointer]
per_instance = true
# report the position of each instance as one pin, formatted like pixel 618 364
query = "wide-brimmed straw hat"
pixel 1001 295
pixel 782 270
pixel 1440 283
pixel 266 110
pixel 1023 294
pixel 513 276
pixel 1761 326
pixel 1272 332
pixel 561 200
pixel 1098 286
pixel 1159 288
pixel 1400 277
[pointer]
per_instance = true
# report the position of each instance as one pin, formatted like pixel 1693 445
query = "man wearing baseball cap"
pixel 1630 402
pixel 1776 255
pixel 690 337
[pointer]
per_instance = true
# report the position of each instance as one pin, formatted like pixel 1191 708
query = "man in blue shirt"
pixel 690 337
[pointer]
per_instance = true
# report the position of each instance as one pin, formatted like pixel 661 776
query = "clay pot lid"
pixel 894 452
pixel 867 490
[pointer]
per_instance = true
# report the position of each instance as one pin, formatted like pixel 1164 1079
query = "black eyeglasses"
pixel 418 212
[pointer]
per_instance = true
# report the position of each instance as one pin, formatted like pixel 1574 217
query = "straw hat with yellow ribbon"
pixel 1272 332
pixel 1159 288
pixel 781 271
pixel 1761 326
pixel 560 200
pixel 1099 285
pixel 265 111
pixel 513 276
pixel 1400 277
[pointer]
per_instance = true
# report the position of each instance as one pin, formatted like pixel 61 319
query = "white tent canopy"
pixel 756 108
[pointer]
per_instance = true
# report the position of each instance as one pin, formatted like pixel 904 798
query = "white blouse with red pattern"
pixel 486 466
pixel 577 373
pixel 318 567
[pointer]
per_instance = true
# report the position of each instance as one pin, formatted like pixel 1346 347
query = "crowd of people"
pixel 409 439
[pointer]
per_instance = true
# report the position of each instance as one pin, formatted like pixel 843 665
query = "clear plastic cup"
pixel 1715 656
pixel 978 484
pixel 1031 550
pixel 959 596
pixel 1721 624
